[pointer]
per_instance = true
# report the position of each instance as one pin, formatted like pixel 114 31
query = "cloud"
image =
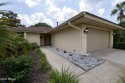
pixel 34 18
pixel 55 13
pixel 65 0
pixel 68 12
pixel 31 3
pixel 114 2
pixel 58 13
pixel 89 5
pixel 101 11
pixel 49 2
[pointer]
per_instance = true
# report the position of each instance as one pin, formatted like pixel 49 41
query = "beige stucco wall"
pixel 67 39
pixel 97 39
pixel 33 37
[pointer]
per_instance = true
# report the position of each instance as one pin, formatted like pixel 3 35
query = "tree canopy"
pixel 41 25
pixel 10 18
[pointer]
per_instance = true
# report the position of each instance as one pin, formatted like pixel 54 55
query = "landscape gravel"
pixel 83 61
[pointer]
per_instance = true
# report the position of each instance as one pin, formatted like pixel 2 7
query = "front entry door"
pixel 41 40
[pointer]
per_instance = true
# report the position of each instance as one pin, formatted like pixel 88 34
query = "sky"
pixel 51 11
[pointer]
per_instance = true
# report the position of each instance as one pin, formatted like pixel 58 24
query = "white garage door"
pixel 97 39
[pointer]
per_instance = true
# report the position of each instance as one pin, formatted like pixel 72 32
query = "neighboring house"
pixel 82 34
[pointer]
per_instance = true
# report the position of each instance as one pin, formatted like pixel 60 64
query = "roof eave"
pixel 87 15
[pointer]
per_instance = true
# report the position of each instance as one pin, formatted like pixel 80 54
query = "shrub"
pixel 17 67
pixel 120 45
pixel 34 46
pixel 17 45
pixel 43 61
pixel 121 80
pixel 119 36
pixel 65 76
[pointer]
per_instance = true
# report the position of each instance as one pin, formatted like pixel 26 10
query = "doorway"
pixel 42 40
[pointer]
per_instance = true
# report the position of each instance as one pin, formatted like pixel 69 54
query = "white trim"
pixel 97 27
pixel 84 40
pixel 111 39
pixel 102 21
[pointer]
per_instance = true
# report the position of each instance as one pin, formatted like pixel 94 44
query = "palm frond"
pixel 122 4
pixel 2 4
pixel 115 11
pixel 118 6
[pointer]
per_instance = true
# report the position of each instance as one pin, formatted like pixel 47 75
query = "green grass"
pixel 43 61
pixel 65 76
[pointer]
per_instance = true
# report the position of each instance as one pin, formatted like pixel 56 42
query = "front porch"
pixel 45 39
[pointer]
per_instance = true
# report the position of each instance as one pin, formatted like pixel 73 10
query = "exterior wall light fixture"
pixel 114 33
pixel 86 31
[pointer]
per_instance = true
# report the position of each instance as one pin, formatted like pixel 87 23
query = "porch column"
pixel 111 39
pixel 83 40
pixel 24 35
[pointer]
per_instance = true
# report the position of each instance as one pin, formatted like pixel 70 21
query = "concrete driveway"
pixel 105 73
pixel 113 55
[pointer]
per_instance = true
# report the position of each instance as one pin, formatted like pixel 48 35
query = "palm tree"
pixel 3 11
pixel 120 8
pixel 2 4
pixel 4 33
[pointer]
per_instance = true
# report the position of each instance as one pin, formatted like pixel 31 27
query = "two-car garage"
pixel 76 40
pixel 70 39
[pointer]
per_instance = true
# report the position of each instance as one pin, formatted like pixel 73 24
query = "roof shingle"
pixel 32 29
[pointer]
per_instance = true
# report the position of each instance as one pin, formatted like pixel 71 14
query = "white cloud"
pixel 34 18
pixel 55 13
pixel 58 13
pixel 65 0
pixel 84 6
pixel 68 12
pixel 89 5
pixel 49 2
pixel 101 11
pixel 114 2
pixel 31 3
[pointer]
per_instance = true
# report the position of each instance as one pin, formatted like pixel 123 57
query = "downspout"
pixel 73 26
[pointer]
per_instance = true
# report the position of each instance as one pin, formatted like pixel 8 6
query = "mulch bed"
pixel 36 74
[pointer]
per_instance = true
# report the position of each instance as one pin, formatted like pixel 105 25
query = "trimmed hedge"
pixel 120 45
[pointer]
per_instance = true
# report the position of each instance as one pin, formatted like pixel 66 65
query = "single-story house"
pixel 82 34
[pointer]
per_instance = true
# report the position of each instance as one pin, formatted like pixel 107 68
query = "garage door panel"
pixel 97 39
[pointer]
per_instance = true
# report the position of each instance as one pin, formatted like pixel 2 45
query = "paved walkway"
pixel 56 61
pixel 105 73
pixel 113 55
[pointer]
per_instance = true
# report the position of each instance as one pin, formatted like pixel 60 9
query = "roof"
pixel 32 29
pixel 85 18
pixel 88 19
